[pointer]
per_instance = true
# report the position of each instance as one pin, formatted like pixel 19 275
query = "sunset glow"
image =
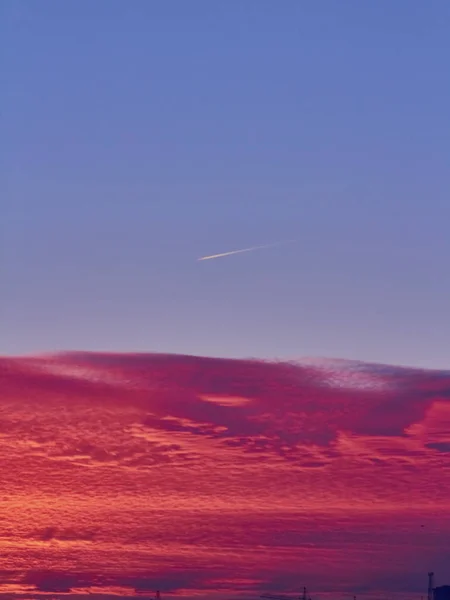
pixel 201 476
pixel 224 300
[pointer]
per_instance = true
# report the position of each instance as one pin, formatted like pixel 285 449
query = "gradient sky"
pixel 141 135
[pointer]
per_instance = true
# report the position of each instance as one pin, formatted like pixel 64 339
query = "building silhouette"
pixel 441 593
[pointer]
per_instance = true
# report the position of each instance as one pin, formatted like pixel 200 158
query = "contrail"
pixel 244 250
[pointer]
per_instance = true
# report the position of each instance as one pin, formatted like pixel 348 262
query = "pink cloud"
pixel 189 473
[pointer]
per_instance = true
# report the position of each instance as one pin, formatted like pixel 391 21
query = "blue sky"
pixel 141 135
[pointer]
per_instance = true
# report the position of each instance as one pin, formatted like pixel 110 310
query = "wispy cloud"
pixel 251 249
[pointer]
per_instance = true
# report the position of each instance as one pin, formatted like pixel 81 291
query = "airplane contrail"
pixel 243 250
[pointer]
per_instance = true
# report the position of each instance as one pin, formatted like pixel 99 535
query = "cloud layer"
pixel 228 477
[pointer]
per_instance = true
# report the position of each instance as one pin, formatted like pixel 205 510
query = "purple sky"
pixel 141 135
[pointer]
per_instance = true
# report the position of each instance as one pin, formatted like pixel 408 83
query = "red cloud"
pixel 189 473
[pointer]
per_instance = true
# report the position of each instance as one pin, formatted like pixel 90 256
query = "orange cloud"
pixel 221 477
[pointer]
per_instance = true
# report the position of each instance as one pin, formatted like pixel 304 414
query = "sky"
pixel 142 135
pixel 221 479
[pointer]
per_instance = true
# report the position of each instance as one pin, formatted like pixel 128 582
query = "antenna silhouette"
pixel 304 596
pixel 430 585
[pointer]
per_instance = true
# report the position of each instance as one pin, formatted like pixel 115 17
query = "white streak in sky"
pixel 243 250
